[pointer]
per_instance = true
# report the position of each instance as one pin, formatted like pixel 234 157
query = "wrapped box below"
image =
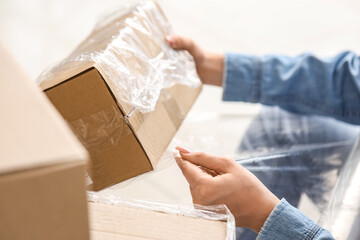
pixel 112 218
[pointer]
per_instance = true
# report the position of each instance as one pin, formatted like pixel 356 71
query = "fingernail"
pixel 182 150
pixel 178 160
pixel 170 40
pixel 177 157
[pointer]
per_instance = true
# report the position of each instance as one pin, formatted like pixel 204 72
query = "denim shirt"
pixel 303 84
pixel 287 222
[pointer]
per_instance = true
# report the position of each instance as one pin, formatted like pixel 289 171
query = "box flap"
pixel 64 72
pixel 32 132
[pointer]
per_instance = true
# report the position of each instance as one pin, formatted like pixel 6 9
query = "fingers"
pixel 209 171
pixel 212 162
pixel 182 43
pixel 192 173
pixel 179 42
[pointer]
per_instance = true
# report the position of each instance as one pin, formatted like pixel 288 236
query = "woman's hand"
pixel 219 180
pixel 209 66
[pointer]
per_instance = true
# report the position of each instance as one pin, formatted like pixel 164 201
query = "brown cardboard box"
pixel 122 142
pixel 42 189
pixel 117 222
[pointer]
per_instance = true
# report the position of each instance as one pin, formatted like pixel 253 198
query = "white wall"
pixel 40 32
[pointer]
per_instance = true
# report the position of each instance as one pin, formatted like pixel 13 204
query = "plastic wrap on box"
pixel 103 128
pixel 215 213
pixel 108 87
pixel 129 48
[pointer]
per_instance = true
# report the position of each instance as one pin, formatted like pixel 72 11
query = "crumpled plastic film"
pixel 104 128
pixel 342 218
pixel 216 212
pixel 311 161
pixel 129 48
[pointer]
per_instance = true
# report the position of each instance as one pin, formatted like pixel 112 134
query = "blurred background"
pixel 40 32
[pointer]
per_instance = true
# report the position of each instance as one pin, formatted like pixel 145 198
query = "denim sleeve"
pixel 303 84
pixel 287 222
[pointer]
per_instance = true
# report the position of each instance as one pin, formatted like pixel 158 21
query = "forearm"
pixel 286 222
pixel 303 84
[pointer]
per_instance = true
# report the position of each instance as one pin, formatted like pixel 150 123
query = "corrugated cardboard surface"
pixel 122 222
pixel 42 189
pixel 89 107
pixel 120 149
pixel 29 124
pixel 44 203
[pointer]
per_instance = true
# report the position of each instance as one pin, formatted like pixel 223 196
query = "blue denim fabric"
pixel 303 84
pixel 286 222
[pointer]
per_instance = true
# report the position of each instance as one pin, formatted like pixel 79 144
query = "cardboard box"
pixel 117 222
pixel 122 141
pixel 42 188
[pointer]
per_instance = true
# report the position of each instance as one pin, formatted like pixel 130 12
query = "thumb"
pixel 182 43
pixel 191 172
pixel 212 162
